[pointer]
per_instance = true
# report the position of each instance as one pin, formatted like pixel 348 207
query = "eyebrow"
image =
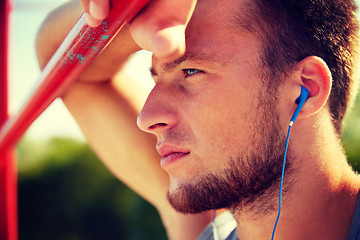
pixel 188 56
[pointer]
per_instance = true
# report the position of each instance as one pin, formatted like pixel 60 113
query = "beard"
pixel 247 178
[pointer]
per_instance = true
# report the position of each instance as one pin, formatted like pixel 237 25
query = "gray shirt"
pixel 355 226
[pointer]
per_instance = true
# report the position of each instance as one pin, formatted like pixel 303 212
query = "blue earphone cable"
pixel 282 180
pixel 300 101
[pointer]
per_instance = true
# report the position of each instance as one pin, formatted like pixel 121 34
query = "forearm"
pixel 108 121
pixel 105 116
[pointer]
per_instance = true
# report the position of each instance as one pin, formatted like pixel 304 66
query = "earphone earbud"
pixel 300 101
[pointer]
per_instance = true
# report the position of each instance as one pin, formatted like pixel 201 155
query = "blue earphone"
pixel 300 101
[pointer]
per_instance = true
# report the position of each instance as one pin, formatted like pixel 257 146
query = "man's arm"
pixel 106 108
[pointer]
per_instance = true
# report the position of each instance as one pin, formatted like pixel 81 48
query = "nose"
pixel 158 113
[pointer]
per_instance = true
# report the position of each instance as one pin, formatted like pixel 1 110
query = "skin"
pixel 195 115
pixel 201 119
pixel 186 111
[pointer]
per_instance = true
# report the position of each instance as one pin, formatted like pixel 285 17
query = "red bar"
pixel 8 196
pixel 76 52
pixel 8 175
pixel 74 55
pixel 4 20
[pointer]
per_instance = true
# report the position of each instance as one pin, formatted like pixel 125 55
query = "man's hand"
pixel 160 28
pixel 96 11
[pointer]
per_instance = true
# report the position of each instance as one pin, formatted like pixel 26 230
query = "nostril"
pixel 157 125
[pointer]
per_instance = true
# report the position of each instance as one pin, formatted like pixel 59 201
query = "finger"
pixel 161 27
pixel 169 42
pixel 95 11
pixel 91 21
pixel 85 5
pixel 99 9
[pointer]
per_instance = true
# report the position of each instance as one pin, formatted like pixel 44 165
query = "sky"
pixel 26 18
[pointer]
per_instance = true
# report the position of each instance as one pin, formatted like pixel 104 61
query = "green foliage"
pixel 66 193
pixel 351 136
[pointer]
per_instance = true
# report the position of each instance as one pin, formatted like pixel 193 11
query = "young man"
pixel 220 111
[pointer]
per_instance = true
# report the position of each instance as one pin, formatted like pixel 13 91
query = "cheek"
pixel 222 123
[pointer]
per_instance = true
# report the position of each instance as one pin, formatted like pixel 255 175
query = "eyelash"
pixel 188 72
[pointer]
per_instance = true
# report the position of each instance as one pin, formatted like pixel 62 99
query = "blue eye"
pixel 191 71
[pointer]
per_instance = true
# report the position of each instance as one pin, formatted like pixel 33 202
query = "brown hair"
pixel 294 29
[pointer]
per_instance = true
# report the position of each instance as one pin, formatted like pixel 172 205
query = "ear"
pixel 313 73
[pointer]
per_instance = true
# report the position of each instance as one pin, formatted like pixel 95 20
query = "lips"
pixel 169 154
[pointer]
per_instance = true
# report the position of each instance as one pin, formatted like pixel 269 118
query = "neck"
pixel 320 197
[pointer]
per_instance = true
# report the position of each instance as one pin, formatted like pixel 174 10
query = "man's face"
pixel 208 111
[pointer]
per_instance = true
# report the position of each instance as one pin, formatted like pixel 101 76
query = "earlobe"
pixel 316 77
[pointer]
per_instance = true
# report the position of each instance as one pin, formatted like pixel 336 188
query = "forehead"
pixel 215 32
pixel 222 9
pixel 214 18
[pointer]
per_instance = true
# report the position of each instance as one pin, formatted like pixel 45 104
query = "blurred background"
pixel 64 191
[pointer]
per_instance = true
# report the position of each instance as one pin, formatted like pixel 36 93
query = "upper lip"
pixel 167 149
